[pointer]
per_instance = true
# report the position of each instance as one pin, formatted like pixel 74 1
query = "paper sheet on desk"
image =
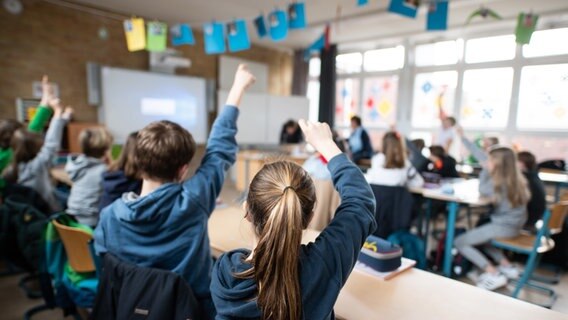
pixel 405 265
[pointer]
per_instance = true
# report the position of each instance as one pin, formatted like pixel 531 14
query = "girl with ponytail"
pixel 280 278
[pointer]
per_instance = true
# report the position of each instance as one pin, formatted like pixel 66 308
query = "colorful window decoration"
pixel 432 91
pixel 543 102
pixel 346 101
pixel 379 101
pixel 486 97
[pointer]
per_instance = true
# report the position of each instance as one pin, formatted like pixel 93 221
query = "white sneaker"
pixel 491 281
pixel 510 271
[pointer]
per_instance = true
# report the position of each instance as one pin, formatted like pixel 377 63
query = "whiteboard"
pixel 132 99
pixel 228 66
pixel 262 115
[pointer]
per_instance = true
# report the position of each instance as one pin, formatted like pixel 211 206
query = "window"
pixel 439 53
pixel 432 91
pixel 499 48
pixel 486 97
pixel 379 101
pixel 547 43
pixel 346 101
pixel 349 62
pixel 313 92
pixel 314 67
pixel 543 102
pixel 384 59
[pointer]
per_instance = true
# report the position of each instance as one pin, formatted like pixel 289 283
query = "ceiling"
pixel 357 26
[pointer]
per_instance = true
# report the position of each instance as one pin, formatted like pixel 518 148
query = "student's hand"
pixel 320 137
pixel 46 91
pixel 459 130
pixel 55 104
pixel 68 113
pixel 243 80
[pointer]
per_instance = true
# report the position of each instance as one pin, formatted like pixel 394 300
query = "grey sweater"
pixel 87 176
pixel 35 173
pixel 475 151
pixel 503 213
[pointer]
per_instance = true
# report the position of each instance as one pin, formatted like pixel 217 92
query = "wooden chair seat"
pixel 526 243
pixel 76 243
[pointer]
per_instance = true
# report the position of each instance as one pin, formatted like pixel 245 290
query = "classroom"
pixel 285 159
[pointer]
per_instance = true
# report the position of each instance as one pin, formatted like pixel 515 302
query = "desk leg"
pixel 556 192
pixel 427 226
pixel 450 230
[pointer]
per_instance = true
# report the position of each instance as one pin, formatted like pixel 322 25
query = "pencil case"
pixel 380 255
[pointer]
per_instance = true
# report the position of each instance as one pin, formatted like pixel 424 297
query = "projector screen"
pixel 132 99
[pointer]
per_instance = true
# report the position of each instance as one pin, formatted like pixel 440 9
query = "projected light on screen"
pixel 158 107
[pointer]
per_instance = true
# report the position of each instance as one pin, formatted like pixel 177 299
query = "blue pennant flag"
pixel 238 36
pixel 260 26
pixel 297 16
pixel 361 3
pixel 182 34
pixel 407 8
pixel 214 38
pixel 278 25
pixel 437 16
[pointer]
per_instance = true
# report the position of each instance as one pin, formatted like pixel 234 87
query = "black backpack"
pixel 22 232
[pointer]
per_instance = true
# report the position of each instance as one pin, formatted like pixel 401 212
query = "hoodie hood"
pixel 76 167
pixel 233 297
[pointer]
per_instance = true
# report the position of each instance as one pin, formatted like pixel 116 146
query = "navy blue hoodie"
pixel 167 229
pixel 115 184
pixel 325 264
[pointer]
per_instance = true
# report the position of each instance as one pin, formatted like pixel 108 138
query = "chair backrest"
pixel 76 243
pixel 558 214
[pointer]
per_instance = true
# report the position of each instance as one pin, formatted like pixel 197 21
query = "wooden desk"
pixel 414 294
pixel 465 192
pixel 59 174
pixel 555 177
pixel 250 162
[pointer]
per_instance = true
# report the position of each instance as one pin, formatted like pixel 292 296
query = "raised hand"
pixel 319 135
pixel 46 91
pixel 68 113
pixel 243 79
pixel 459 130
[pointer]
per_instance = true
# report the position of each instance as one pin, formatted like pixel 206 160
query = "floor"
pixel 14 303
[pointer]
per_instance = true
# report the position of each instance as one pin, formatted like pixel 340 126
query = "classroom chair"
pixel 76 243
pixel 534 246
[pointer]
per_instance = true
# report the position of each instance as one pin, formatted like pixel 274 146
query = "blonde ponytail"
pixel 281 200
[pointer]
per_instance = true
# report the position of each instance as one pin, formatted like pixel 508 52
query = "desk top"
pixel 553 176
pixel 465 191
pixel 414 294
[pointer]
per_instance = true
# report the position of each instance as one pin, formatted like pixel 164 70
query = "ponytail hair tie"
pixel 288 187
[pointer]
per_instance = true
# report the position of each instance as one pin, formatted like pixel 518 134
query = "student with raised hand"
pixel 165 226
pixel 501 181
pixel 33 155
pixel 281 278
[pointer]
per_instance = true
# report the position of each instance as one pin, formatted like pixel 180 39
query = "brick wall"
pixel 59 41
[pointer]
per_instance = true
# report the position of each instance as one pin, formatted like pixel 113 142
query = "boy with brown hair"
pixel 165 226
pixel 86 172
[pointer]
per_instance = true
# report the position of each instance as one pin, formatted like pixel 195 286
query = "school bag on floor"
pixel 460 265
pixel 412 247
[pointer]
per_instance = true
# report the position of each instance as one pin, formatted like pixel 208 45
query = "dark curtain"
pixel 327 86
pixel 300 74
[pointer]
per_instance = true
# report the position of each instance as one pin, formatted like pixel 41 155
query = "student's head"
pixel 419 144
pixel 437 153
pixel 7 129
pixel 25 146
pixel 448 122
pixel 394 150
pixel 291 127
pixel 163 151
pixel 95 142
pixel 489 142
pixel 280 205
pixel 507 176
pixel 355 122
pixel 527 161
pixel 126 161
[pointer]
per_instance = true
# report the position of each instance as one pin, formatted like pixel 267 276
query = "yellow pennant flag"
pixel 135 34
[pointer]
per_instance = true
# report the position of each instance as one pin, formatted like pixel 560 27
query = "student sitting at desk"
pixel 359 142
pixel 442 163
pixel 391 167
pixel 280 278
pixel 501 181
pixel 537 202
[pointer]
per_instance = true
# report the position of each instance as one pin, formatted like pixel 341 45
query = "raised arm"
pixel 221 151
pixel 52 142
pixel 43 112
pixel 339 244
pixel 475 151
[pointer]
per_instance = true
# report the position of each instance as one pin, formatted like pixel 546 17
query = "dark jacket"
pixel 129 292
pixel 115 184
pixel 447 168
pixel 324 264
pixel 537 203
pixel 394 209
